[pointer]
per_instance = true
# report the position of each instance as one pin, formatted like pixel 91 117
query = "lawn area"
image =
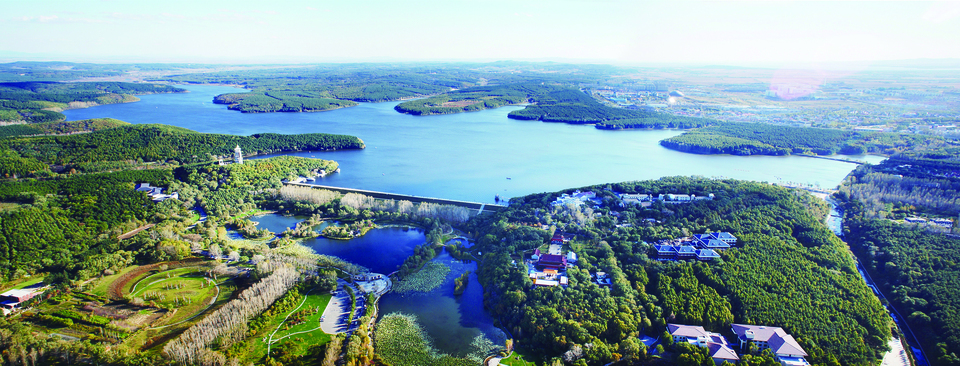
pixel 520 358
pixel 297 335
pixel 102 285
pixel 183 289
pixel 28 282
pixel 165 329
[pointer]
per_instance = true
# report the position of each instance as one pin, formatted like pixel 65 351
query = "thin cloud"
pixel 942 11
pixel 56 19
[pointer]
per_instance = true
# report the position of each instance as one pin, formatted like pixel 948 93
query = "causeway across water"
pixel 480 207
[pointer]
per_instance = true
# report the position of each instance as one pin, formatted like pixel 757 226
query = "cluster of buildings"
pixel 704 247
pixel 156 193
pixel 577 198
pixel 947 223
pixel 550 268
pixel 783 346
pixel 646 199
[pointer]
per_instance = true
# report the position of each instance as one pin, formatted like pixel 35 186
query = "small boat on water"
pixel 508 178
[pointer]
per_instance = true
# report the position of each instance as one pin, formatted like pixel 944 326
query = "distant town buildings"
pixel 647 199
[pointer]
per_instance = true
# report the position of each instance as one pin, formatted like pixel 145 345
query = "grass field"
pixel 183 289
pixel 151 339
pixel 520 358
pixel 101 285
pixel 294 334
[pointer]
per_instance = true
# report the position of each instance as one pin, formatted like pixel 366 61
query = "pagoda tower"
pixel 238 155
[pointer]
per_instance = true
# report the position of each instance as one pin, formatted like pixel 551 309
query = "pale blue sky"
pixel 483 30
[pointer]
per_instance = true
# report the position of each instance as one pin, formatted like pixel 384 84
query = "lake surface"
pixel 276 223
pixel 469 156
pixel 381 250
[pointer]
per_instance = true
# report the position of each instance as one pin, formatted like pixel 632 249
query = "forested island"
pixel 281 101
pixel 37 102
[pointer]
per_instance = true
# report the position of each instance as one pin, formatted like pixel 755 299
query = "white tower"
pixel 238 155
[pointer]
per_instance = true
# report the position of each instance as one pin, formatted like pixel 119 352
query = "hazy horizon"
pixel 610 32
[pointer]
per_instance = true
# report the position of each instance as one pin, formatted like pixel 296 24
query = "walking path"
pixel 131 233
pixel 270 340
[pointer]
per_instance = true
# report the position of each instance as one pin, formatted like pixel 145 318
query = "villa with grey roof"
pixel 716 344
pixel 783 345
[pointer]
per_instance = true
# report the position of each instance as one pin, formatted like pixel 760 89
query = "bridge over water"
pixel 479 206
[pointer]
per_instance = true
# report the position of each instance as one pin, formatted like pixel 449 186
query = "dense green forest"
pixel 147 143
pixel 788 270
pixel 476 98
pixel 37 102
pixel 917 270
pixel 231 189
pixel 56 224
pixel 658 121
pixel 896 189
pixel 913 264
pixel 574 106
pixel 739 138
pixel 60 128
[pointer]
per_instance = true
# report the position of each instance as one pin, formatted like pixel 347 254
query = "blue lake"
pixel 469 156
pixel 381 250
